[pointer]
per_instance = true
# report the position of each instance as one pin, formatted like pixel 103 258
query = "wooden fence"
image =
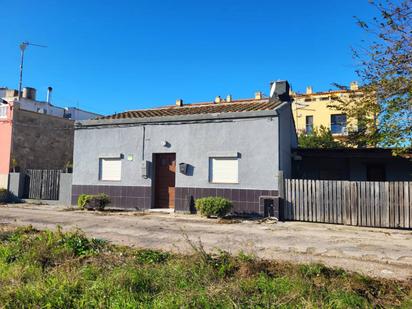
pixel 42 184
pixel 362 203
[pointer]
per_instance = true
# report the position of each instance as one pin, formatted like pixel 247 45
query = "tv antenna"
pixel 23 47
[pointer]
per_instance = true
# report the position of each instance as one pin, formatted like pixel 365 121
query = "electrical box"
pixel 183 168
pixel 145 169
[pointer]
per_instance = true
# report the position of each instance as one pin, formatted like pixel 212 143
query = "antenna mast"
pixel 23 47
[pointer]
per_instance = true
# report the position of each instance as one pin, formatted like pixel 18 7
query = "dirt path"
pixel 374 252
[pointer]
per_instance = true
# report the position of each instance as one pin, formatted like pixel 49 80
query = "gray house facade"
pixel 168 157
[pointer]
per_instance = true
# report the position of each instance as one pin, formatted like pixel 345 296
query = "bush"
pixel 5 196
pixel 83 200
pixel 213 206
pixel 93 202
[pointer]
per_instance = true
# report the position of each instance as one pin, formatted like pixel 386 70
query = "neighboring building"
pixel 35 134
pixel 31 140
pixel 311 110
pixel 168 157
pixel 29 102
pixel 356 164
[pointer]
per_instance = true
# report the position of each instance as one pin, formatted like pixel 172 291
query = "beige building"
pixel 312 110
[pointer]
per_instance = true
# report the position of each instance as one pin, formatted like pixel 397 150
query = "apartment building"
pixel 312 110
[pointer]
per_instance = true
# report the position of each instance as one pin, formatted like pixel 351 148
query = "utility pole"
pixel 23 47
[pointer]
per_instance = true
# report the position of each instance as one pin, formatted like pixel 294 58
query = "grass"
pixel 52 269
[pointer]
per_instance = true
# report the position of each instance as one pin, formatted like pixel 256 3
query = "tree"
pixel 318 138
pixel 384 111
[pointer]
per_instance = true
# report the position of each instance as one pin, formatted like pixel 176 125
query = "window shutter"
pixel 110 169
pixel 223 170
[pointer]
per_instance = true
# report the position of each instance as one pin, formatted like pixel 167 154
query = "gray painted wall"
pixel 288 139
pixel 65 190
pixel 256 139
pixel 16 184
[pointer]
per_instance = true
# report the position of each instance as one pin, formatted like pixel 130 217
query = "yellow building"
pixel 311 110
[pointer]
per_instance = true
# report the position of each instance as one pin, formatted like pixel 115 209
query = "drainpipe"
pixel 143 142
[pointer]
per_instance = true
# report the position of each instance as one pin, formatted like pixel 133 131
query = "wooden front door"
pixel 165 165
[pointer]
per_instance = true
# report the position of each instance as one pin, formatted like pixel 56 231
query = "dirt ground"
pixel 375 252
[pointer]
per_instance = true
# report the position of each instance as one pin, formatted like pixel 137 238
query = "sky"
pixel 112 56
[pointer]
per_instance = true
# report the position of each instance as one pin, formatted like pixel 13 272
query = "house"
pixel 168 157
pixel 355 164
pixel 313 109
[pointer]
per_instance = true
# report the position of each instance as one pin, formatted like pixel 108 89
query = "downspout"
pixel 143 142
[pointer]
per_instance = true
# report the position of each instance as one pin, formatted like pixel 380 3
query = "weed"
pixel 56 269
pixel 151 256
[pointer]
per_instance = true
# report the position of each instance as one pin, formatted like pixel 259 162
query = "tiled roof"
pixel 247 105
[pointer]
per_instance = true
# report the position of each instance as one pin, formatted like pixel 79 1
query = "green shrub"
pixel 4 196
pixel 90 202
pixel 213 206
pixel 83 200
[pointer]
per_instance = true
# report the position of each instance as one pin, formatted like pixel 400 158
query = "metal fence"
pixel 361 203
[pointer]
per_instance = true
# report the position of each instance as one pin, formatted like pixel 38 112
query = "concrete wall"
pixel 65 190
pixel 256 140
pixel 41 141
pixel 16 184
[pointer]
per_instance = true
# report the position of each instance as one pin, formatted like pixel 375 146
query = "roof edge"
pixel 199 117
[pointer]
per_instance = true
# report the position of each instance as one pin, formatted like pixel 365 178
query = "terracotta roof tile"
pixel 238 106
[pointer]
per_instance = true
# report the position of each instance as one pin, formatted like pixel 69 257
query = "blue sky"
pixel 111 56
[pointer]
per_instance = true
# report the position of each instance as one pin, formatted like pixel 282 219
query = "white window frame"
pixel 117 176
pixel 221 159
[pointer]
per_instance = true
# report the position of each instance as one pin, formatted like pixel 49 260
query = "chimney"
pixel 29 93
pixel 218 99
pixel 354 86
pixel 279 90
pixel 179 102
pixel 258 95
pixel 229 98
pixel 49 93
pixel 309 90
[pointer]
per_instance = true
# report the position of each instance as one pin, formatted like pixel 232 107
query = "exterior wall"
pixel 288 139
pixel 316 105
pixel 65 189
pixel 351 167
pixel 255 139
pixel 16 184
pixel 78 114
pixel 34 106
pixel 5 145
pixel 41 141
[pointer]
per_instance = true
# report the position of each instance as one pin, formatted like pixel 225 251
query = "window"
pixel 3 111
pixel 309 124
pixel 338 123
pixel 110 169
pixel 223 170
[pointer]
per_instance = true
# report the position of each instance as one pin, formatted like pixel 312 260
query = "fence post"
pixel 282 203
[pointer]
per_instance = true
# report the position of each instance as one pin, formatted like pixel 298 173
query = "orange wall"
pixel 5 141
